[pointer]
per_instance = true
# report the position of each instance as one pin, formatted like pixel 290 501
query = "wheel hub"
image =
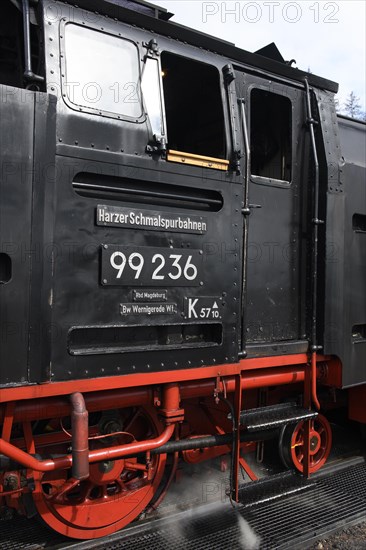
pixel 314 442
pixel 106 471
pixel 291 444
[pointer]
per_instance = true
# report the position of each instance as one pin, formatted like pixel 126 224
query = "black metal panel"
pixel 81 300
pixel 277 348
pixel 111 152
pixel 16 165
pixel 352 134
pixel 345 290
pixel 42 237
pixel 275 289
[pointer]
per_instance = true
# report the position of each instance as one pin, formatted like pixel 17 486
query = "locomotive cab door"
pixel 275 241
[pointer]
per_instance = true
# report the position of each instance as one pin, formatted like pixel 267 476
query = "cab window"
pixel 102 72
pixel 194 110
pixel 271 135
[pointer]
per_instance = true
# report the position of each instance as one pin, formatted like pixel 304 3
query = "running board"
pixel 273 487
pixel 274 416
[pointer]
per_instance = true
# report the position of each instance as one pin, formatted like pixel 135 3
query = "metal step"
pixel 274 416
pixel 273 487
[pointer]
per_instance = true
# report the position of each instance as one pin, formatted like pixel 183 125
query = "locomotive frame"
pixel 136 322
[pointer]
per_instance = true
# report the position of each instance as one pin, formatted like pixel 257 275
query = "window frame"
pixel 163 136
pixel 186 157
pixel 265 180
pixel 63 64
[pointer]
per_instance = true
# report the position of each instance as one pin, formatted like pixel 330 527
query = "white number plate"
pixel 145 266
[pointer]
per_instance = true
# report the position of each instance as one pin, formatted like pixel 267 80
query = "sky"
pixel 328 38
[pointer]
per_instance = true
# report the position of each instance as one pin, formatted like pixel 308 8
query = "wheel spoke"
pixel 115 493
pixel 87 488
pixel 300 457
pixel 292 442
pixel 131 420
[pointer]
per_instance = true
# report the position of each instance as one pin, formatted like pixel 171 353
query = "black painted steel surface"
pixel 345 253
pixel 69 172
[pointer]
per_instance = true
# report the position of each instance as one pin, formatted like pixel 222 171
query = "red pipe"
pixel 313 381
pixel 57 407
pixel 271 377
pixel 80 437
pixel 109 453
pixel 98 401
pixel 171 397
pixel 259 379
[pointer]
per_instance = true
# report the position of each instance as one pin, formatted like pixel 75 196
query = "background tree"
pixel 352 106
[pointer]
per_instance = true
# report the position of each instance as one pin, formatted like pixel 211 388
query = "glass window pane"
pixel 271 135
pixel 152 95
pixel 102 72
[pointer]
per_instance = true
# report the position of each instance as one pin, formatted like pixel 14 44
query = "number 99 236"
pixel 145 266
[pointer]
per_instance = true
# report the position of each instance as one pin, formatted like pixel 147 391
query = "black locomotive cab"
pixel 150 207
pixel 172 197
pixel 182 260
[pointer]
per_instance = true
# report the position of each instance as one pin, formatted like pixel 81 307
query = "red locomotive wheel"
pixel 291 444
pixel 115 493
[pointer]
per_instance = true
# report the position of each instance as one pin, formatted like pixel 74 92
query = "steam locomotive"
pixel 182 261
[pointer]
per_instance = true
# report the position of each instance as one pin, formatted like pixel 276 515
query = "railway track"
pixel 336 497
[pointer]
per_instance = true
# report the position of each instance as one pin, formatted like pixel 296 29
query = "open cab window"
pixel 179 97
pixel 194 112
pixel 190 119
pixel 271 136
